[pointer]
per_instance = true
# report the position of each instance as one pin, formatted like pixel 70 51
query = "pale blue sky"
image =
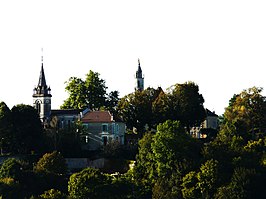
pixel 220 45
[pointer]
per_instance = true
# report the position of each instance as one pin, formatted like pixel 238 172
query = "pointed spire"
pixel 42 81
pixel 139 71
pixel 42 88
pixel 139 68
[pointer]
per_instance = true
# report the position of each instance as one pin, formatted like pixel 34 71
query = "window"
pixel 38 107
pixel 105 128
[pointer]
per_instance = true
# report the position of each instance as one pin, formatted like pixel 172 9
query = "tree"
pixel 90 92
pixel 11 168
pixel 77 94
pixel 162 109
pixel 239 186
pixel 208 178
pixel 52 163
pixel 53 194
pixel 174 150
pixel 88 183
pixel 136 108
pixel 112 101
pixel 164 158
pixel 145 168
pixel 188 104
pixel 5 128
pixel 27 129
pixel 246 113
pixel 189 186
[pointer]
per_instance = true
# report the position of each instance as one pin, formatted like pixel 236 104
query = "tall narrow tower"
pixel 139 79
pixel 42 97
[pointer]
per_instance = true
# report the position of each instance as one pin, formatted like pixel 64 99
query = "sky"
pixel 219 45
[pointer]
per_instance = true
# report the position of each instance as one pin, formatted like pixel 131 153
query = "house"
pixel 101 128
pixel 210 124
pixel 65 117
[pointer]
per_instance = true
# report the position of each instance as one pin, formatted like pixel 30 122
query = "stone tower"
pixel 139 79
pixel 42 97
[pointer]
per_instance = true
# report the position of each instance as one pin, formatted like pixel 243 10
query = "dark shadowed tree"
pixel 27 129
pixel 136 108
pixel 112 101
pixel 5 128
pixel 187 103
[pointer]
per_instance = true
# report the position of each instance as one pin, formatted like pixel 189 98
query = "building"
pixel 101 128
pixel 139 79
pixel 42 97
pixel 210 124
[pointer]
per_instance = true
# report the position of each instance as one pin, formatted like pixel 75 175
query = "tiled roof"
pixel 99 117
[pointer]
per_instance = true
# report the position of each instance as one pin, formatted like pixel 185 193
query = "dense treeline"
pixel 141 110
pixel 169 162
pixel 173 165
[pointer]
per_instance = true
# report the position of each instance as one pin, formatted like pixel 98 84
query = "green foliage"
pixel 152 106
pixel 11 168
pixel 164 158
pixel 53 194
pixel 246 113
pixel 189 103
pixel 173 149
pixel 52 163
pixel 145 169
pixel 238 187
pixel 208 178
pixel 112 101
pixel 136 109
pixel 88 183
pixel 90 92
pixel 202 184
pixel 189 185
pixel 166 188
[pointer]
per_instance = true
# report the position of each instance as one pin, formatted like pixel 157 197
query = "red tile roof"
pixel 97 117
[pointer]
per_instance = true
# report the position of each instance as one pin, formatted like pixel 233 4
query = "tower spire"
pixel 42 95
pixel 139 78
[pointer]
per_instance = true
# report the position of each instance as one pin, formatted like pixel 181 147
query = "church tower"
pixel 42 97
pixel 139 79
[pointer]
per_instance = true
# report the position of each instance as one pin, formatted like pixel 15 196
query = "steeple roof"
pixel 139 71
pixel 42 89
pixel 42 81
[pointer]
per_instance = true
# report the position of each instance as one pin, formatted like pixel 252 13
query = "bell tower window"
pixel 38 107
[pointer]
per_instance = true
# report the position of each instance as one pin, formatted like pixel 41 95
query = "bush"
pixel 52 163
pixel 53 194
